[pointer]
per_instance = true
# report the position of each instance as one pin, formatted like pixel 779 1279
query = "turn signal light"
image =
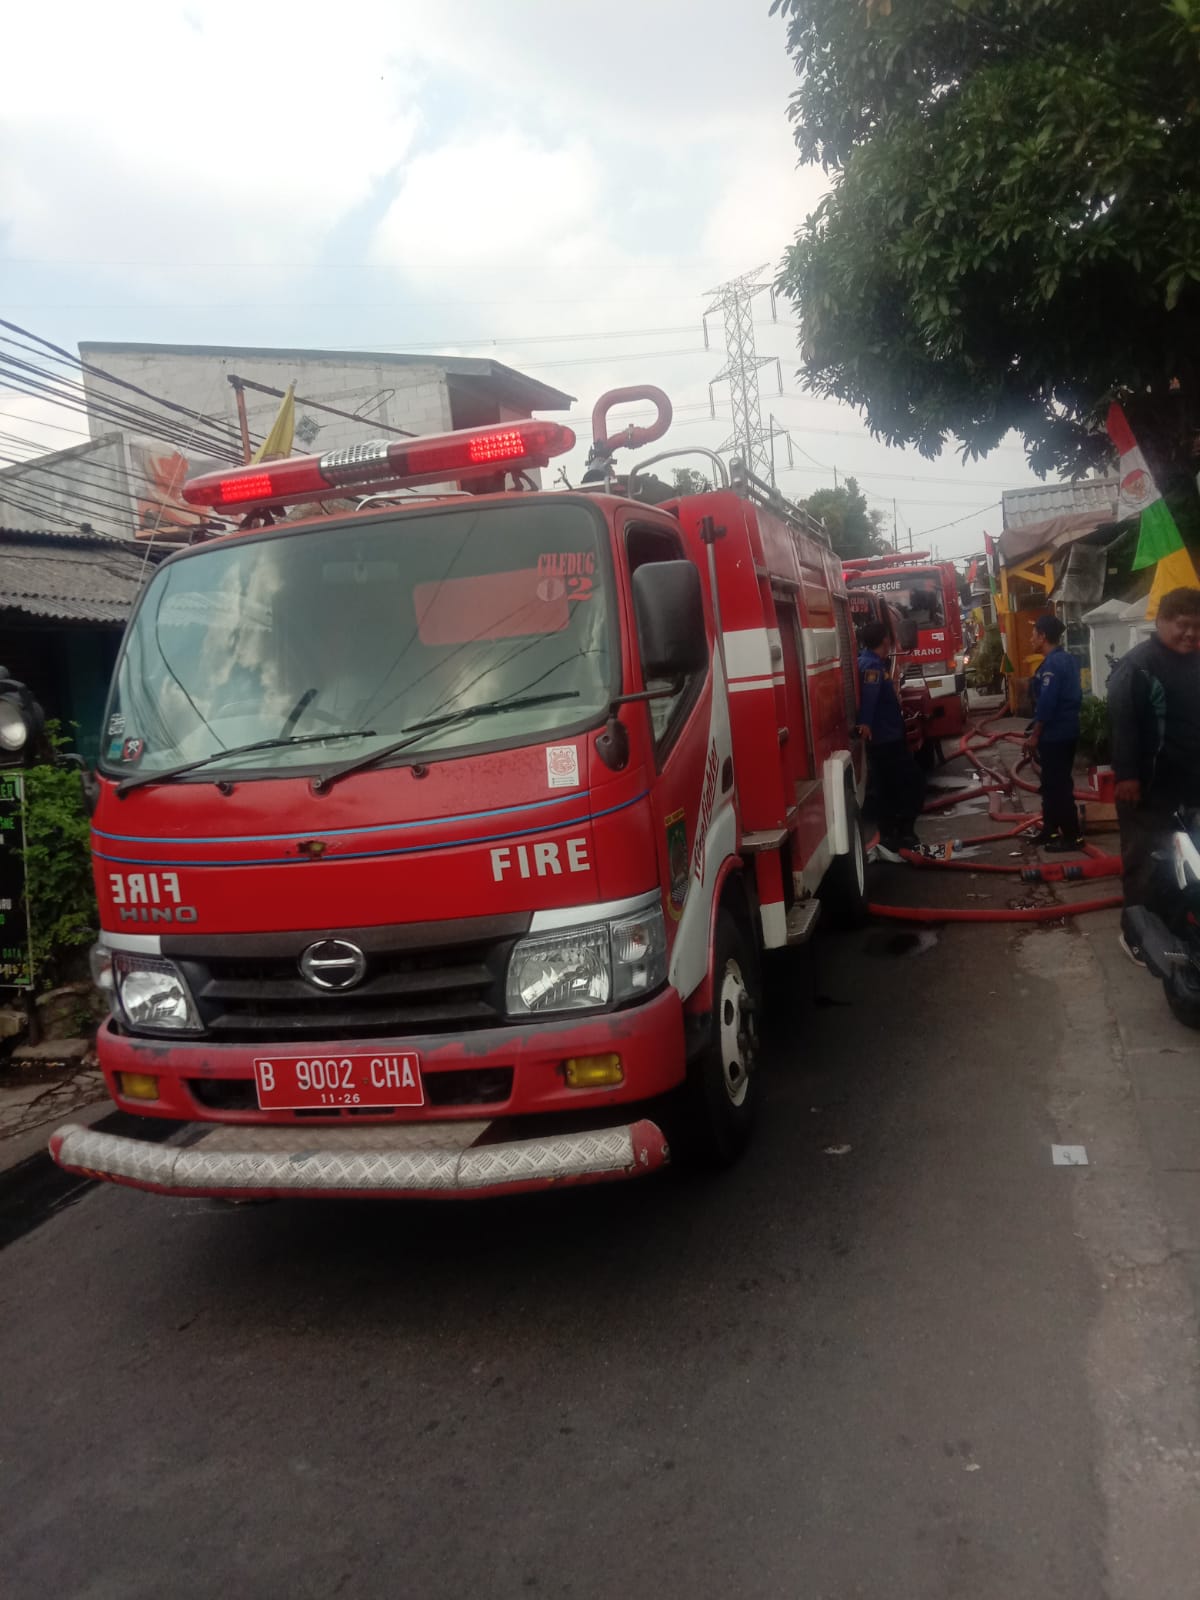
pixel 593 1072
pixel 138 1085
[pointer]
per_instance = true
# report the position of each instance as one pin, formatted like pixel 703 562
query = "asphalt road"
pixel 862 1364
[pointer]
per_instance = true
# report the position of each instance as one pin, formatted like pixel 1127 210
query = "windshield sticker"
pixel 114 749
pixel 116 725
pixel 493 605
pixel 562 766
pixel 677 862
pixel 574 570
pixel 132 749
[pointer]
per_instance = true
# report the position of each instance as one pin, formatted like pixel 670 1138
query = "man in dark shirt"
pixel 1154 715
pixel 897 780
pixel 1055 735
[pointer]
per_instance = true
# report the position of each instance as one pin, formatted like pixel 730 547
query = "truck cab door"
pixel 689 734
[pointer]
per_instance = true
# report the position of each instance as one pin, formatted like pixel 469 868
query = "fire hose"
pixel 994 783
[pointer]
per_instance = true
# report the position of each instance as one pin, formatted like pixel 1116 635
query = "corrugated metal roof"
pixel 1021 507
pixel 53 577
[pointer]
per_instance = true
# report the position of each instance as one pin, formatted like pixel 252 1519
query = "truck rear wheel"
pixel 844 890
pixel 718 1102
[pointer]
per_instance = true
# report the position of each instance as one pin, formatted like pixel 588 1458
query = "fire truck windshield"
pixel 329 644
pixel 917 600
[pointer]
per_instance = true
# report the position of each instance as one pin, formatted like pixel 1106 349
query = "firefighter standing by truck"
pixel 896 779
pixel 1054 735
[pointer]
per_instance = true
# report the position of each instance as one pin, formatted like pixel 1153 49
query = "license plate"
pixel 337 1083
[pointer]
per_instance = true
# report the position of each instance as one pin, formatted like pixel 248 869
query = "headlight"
pixel 587 968
pixel 149 993
pixel 14 729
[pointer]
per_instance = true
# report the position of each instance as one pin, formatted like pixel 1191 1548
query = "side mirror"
pixel 668 604
pixel 908 634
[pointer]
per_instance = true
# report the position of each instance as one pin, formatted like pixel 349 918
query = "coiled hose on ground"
pixel 995 782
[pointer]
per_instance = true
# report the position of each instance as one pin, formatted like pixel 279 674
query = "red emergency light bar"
pixel 883 563
pixel 442 457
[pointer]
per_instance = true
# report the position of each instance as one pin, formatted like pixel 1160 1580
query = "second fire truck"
pixel 924 594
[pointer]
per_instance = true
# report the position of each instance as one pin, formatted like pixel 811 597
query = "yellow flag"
pixel 278 442
pixel 1175 571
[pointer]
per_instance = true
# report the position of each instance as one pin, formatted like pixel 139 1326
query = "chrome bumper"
pixel 429 1159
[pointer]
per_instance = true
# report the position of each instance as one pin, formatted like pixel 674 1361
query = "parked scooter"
pixel 1170 944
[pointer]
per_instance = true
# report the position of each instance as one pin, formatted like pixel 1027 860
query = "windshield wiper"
pixel 127 785
pixel 415 731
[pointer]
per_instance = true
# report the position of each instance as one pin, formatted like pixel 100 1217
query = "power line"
pixel 37 422
pixel 110 506
pixel 349 266
pixel 51 388
pixel 57 352
pixel 924 534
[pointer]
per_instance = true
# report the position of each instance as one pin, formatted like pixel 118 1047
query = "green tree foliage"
pixel 1013 235
pixel 853 530
pixel 58 868
pixel 688 481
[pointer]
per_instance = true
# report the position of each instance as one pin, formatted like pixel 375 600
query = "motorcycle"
pixel 1169 943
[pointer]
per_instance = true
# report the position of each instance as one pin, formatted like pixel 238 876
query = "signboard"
pixel 16 955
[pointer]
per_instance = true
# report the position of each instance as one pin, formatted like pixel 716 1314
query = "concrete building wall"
pixel 415 398
pixel 87 484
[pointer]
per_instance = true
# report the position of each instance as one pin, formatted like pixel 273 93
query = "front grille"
pixel 255 996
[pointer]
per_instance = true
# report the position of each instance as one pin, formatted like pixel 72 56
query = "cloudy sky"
pixel 555 183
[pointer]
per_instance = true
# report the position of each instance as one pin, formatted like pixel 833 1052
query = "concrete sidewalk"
pixel 1156 1057
pixel 30 1112
pixel 1162 1059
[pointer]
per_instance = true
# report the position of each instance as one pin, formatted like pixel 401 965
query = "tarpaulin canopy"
pixel 1017 545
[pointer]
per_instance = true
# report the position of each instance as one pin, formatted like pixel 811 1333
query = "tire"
pixel 844 889
pixel 717 1105
pixel 1183 996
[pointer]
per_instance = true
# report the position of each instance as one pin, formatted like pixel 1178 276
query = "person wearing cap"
pixel 898 781
pixel 1054 735
pixel 1154 715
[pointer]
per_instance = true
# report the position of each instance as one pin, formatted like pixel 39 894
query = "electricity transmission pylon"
pixel 749 439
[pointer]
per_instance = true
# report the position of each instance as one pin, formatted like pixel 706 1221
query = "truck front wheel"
pixel 720 1098
pixel 844 891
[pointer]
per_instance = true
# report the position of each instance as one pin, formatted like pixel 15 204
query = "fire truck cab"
pixel 438 840
pixel 925 594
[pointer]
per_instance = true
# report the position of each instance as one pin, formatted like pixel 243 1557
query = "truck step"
pixel 757 844
pixel 801 920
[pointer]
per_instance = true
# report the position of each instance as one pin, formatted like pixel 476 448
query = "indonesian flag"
pixel 1159 543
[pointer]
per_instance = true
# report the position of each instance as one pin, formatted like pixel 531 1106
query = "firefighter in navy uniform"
pixel 1053 736
pixel 897 781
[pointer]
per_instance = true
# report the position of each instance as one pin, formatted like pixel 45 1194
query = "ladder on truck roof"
pixel 743 482
pixel 738 478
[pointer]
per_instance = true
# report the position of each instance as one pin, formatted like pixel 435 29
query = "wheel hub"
pixel 739 1034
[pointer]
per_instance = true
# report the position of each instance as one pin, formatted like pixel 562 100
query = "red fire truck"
pixel 437 840
pixel 925 594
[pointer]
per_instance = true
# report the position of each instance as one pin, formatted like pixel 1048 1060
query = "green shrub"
pixel 1094 737
pixel 987 658
pixel 58 869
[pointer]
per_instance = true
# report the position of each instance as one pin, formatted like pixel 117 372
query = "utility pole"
pixel 749 439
